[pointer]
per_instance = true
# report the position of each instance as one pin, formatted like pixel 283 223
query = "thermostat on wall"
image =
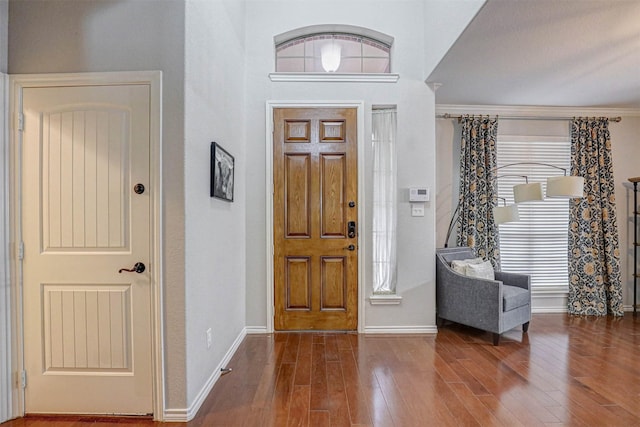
pixel 418 194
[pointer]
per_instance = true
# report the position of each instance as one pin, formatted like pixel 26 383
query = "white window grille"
pixel 342 49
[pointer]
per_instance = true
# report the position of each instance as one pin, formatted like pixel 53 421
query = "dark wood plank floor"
pixel 566 371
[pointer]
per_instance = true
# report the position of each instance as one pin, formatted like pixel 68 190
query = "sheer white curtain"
pixel 383 125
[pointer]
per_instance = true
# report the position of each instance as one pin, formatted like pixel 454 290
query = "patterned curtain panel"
pixel 476 226
pixel 594 255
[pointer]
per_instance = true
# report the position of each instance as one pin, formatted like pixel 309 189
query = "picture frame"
pixel 222 173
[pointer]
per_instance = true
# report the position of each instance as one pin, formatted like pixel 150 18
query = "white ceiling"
pixel 579 53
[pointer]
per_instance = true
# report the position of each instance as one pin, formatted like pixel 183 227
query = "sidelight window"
pixel 383 124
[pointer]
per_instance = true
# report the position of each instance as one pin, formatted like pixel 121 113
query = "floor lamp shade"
pixel 565 186
pixel 503 214
pixel 527 192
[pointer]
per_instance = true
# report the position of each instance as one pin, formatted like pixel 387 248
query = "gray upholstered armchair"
pixel 491 305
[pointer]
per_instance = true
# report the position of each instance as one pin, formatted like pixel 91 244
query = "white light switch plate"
pixel 417 209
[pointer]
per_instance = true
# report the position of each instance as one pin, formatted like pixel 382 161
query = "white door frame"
pixel 17 84
pixel 362 240
pixel 6 398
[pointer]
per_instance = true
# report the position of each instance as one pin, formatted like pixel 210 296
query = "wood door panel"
pixel 333 276
pixel 315 179
pixel 332 131
pixel 333 175
pixel 84 190
pixel 297 131
pixel 297 188
pixel 298 283
pixel 86 329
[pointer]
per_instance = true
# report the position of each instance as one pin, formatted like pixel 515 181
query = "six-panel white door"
pixel 87 327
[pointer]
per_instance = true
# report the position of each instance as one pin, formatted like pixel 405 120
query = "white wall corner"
pixel 448 20
pixel 187 414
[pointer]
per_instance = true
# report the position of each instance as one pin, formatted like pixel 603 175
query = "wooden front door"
pixel 87 327
pixel 315 212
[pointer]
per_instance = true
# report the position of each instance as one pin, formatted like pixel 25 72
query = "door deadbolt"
pixel 351 229
pixel 138 188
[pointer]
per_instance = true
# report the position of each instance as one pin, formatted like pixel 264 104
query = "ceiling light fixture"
pixel 330 56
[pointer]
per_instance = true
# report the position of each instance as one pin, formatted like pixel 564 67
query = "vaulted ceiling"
pixel 581 53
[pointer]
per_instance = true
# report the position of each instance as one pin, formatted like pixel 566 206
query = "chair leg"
pixel 525 327
pixel 496 339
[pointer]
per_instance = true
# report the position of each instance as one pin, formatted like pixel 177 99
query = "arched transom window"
pixel 333 49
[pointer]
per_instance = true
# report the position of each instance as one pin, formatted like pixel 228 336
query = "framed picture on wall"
pixel 222 166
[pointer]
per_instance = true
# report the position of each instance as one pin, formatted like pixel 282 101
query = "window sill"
pixel 335 77
pixel 385 299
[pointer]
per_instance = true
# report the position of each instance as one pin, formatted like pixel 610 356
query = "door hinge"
pixel 23 379
pixel 21 251
pixel 20 122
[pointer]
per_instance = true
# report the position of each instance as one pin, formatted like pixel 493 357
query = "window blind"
pixel 537 244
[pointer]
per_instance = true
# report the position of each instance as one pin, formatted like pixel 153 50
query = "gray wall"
pixel 416 145
pixel 124 35
pixel 4 34
pixel 215 229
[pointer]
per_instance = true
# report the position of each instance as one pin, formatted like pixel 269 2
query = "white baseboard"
pixel 256 330
pixel 549 301
pixel 549 310
pixel 554 302
pixel 175 416
pixel 401 329
pixel 187 414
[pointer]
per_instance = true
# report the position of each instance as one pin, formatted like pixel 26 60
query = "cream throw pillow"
pixel 484 270
pixel 460 265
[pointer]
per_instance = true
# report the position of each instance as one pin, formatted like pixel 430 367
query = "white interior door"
pixel 87 327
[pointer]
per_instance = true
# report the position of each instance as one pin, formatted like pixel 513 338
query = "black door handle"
pixel 351 248
pixel 137 268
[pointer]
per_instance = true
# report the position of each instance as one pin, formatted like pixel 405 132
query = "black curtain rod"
pixel 453 116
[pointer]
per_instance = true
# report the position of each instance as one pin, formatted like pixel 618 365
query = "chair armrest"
pixel 468 300
pixel 514 279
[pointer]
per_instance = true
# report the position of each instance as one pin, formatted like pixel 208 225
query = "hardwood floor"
pixel 566 371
